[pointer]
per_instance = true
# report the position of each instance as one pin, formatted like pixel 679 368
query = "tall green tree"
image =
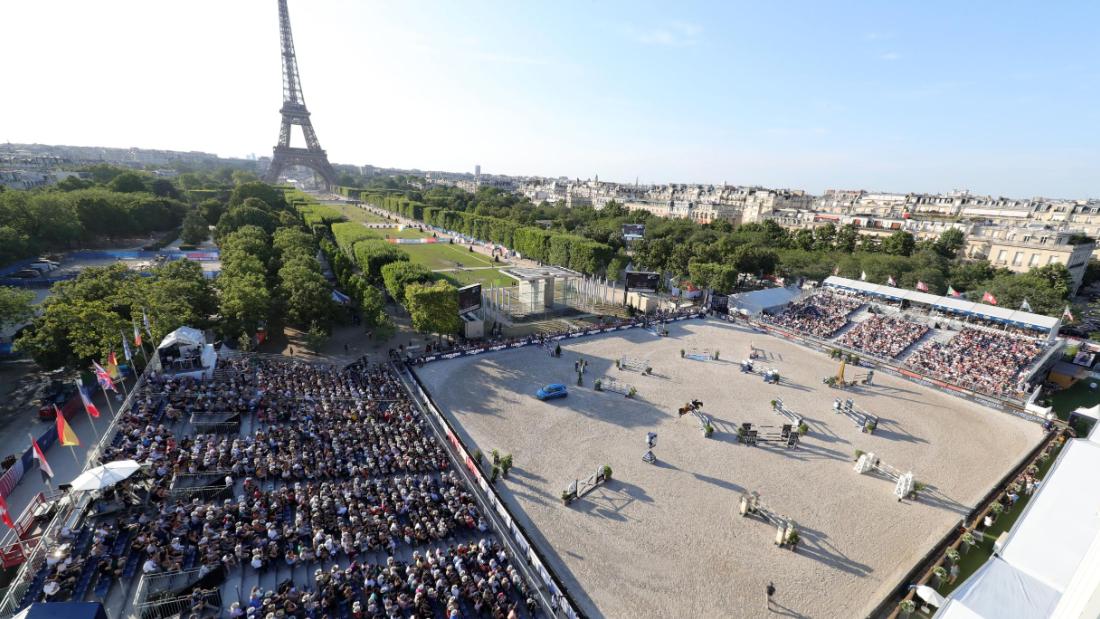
pixel 900 243
pixel 434 308
pixel 398 275
pixel 950 242
pixel 15 306
pixel 195 229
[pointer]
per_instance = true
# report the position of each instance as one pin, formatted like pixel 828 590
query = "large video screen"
pixel 633 232
pixel 469 298
pixel 642 280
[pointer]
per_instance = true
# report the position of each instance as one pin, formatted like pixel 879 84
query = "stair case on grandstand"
pixel 924 339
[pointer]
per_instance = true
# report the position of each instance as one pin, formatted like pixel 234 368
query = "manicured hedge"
pixel 575 252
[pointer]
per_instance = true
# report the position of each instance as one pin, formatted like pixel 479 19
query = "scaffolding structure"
pixel 546 292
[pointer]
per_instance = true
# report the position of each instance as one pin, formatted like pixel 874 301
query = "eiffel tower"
pixel 295 113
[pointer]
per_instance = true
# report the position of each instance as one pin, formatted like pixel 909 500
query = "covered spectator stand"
pixel 185 352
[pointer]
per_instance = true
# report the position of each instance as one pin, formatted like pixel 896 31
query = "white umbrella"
pixel 930 595
pixel 105 476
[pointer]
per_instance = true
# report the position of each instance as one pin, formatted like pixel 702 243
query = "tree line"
pixel 113 204
pixel 270 274
pixel 717 255
pixel 364 264
pixel 269 267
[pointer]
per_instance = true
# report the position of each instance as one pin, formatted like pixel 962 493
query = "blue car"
pixel 549 392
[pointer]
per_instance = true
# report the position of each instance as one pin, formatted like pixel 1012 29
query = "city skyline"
pixel 905 99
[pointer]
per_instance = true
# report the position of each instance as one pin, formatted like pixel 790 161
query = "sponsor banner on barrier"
pixel 519 344
pixel 430 359
pixel 609 330
pixel 578 334
pixel 476 351
pixel 451 355
pixel 558 337
pixel 500 347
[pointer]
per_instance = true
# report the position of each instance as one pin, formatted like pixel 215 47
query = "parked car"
pixel 44 266
pixel 27 274
pixel 549 392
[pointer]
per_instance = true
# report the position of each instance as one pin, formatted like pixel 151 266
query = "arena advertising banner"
pixel 528 342
pixel 557 591
pixel 642 280
pixel 469 298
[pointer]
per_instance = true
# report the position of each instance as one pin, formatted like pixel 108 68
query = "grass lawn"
pixel 437 256
pixel 485 277
pixel 354 213
pixel 1065 401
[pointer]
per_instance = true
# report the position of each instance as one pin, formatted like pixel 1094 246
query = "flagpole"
pixel 75 458
pixel 108 398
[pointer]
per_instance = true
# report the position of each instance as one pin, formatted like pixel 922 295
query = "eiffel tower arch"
pixel 294 112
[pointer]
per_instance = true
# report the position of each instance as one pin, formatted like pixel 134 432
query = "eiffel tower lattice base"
pixel 287 157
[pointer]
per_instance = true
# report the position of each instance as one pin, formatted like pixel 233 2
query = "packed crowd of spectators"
pixel 883 336
pixel 980 360
pixel 820 315
pixel 338 469
pixel 465 580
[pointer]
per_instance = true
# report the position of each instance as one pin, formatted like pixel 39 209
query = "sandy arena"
pixel 665 540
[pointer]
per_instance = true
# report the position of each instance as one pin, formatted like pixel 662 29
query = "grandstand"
pixel 980 348
pixel 280 485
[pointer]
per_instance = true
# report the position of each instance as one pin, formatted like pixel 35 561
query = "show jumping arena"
pixel 666 539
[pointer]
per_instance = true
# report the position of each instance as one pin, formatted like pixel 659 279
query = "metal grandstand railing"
pixel 13 597
pixel 190 492
pixel 150 585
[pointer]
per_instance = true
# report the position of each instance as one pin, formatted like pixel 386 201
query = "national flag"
pixel 145 321
pixel 863 276
pixel 1068 314
pixel 890 281
pixel 65 433
pixel 836 270
pixel 989 298
pixel 104 377
pixel 923 287
pixel 126 352
pixel 137 336
pixel 43 466
pixel 951 292
pixel 4 513
pixel 89 407
pixel 112 365
pixel 1025 306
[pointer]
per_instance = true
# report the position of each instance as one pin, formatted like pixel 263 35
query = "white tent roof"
pixel 948 304
pixel 759 300
pixel 1093 412
pixel 184 336
pixel 1051 557
pixel 998 590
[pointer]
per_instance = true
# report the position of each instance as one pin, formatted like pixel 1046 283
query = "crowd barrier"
pixel 530 341
pixel 13 475
pixel 561 599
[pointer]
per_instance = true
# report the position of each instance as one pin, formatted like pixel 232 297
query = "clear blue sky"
pixel 997 97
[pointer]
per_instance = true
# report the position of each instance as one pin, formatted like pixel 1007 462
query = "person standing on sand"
pixel 770 590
